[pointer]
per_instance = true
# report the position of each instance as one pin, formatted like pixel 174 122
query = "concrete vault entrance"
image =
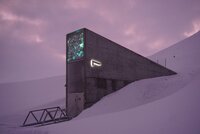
pixel 97 66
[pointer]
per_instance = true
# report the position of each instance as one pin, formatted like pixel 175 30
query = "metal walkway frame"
pixel 46 116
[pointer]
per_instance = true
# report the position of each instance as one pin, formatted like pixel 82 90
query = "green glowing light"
pixel 75 46
pixel 81 45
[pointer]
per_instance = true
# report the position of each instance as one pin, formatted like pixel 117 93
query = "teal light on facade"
pixel 75 46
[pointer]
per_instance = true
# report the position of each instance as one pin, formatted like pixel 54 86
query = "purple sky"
pixel 32 32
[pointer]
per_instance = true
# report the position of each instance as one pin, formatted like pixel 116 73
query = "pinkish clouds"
pixel 33 31
pixel 195 28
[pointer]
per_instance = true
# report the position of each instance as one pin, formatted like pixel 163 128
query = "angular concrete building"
pixel 97 66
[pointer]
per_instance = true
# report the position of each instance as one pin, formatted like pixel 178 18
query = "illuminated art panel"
pixel 75 46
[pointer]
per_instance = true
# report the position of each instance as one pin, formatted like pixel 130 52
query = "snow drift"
pixel 160 105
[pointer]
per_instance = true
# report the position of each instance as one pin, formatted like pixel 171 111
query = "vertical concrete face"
pixel 102 68
pixel 76 83
pixel 75 73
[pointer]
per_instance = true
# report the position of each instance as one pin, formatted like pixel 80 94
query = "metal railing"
pixel 45 116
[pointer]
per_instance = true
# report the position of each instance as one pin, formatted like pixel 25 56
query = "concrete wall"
pixel 120 66
pixel 118 62
pixel 75 99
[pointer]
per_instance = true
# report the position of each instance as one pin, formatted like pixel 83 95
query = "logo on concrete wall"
pixel 95 63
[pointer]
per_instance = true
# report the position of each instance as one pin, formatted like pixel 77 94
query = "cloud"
pixel 77 4
pixel 30 28
pixel 195 28
pixel 33 38
pixel 130 31
pixel 61 56
pixel 7 16
pixel 33 32
pixel 157 44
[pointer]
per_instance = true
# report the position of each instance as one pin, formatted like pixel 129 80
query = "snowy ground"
pixel 164 105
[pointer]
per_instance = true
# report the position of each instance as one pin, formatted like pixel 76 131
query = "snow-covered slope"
pixel 176 114
pixel 155 106
pixel 183 57
pixel 21 96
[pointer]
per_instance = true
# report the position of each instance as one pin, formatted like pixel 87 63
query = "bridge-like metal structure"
pixel 45 116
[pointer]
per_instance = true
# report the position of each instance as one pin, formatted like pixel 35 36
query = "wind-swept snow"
pixel 175 114
pixel 161 105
